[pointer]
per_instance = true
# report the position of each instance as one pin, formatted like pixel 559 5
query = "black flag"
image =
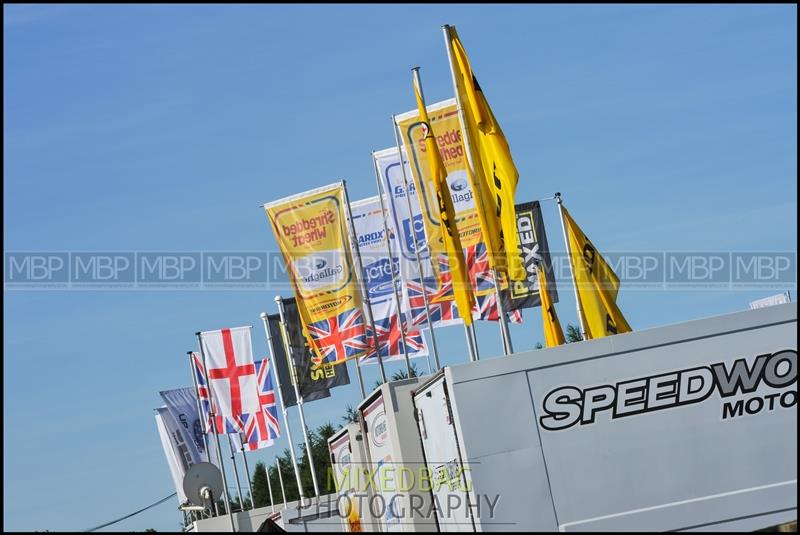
pixel 313 382
pixel 535 255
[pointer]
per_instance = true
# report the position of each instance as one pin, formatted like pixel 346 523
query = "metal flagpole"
pixel 288 348
pixel 247 472
pixel 236 472
pixel 280 478
pixel 213 415
pixel 474 335
pixel 396 130
pixel 269 487
pixel 569 262
pixel 276 376
pixel 197 399
pixel 503 320
pixel 399 312
pixel 473 355
pixel 362 282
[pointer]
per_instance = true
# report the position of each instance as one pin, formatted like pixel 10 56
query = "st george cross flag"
pixel 231 373
pixel 380 262
pixel 262 427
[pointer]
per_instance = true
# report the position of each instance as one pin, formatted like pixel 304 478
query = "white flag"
pixel 175 449
pixel 379 260
pixel 231 373
pixel 182 406
pixel 407 225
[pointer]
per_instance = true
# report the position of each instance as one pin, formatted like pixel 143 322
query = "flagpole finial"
pixel 197 333
pixel 189 353
pixel 263 315
pixel 558 197
pixel 278 298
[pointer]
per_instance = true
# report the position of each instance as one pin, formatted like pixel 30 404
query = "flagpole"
pixel 473 355
pixel 298 397
pixel 508 348
pixel 197 399
pixel 213 415
pixel 362 283
pixel 283 489
pixel 247 471
pixel 235 472
pixel 569 262
pixel 269 487
pixel 398 311
pixel 274 369
pixel 413 231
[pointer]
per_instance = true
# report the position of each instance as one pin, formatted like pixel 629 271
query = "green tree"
pixel 399 375
pixel 350 415
pixel 260 487
pixel 573 334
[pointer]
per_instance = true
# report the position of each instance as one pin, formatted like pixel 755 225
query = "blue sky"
pixel 161 128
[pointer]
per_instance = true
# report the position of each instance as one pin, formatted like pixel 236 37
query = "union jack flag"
pixel 224 425
pixel 486 309
pixel 441 300
pixel 483 284
pixel 340 336
pixel 391 343
pixel 262 428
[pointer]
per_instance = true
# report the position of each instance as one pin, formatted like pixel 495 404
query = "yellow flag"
pixel 596 282
pixel 462 289
pixel 311 232
pixel 495 175
pixel 553 334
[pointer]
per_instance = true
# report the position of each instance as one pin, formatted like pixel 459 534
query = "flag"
pixel 452 243
pixel 314 379
pixel 182 406
pixel 535 255
pixel 494 174
pixel 380 262
pixel 311 234
pixel 262 427
pixel 175 450
pixel 408 229
pixel 482 278
pixel 553 334
pixel 596 284
pixel 231 374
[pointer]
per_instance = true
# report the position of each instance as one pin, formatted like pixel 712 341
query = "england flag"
pixel 231 374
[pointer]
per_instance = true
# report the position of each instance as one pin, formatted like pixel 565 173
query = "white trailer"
pixel 690 426
pixel 395 455
pixel 348 461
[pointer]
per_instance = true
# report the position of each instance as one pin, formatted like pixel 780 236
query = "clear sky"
pixel 162 128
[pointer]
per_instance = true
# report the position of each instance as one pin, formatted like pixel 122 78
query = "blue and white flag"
pixel 177 455
pixel 408 226
pixel 379 260
pixel 182 406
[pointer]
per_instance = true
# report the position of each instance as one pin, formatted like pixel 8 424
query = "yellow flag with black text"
pixel 494 174
pixel 553 334
pixel 596 283
pixel 459 276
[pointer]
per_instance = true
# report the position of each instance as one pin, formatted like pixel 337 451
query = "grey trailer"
pixel 348 462
pixel 690 426
pixel 395 456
